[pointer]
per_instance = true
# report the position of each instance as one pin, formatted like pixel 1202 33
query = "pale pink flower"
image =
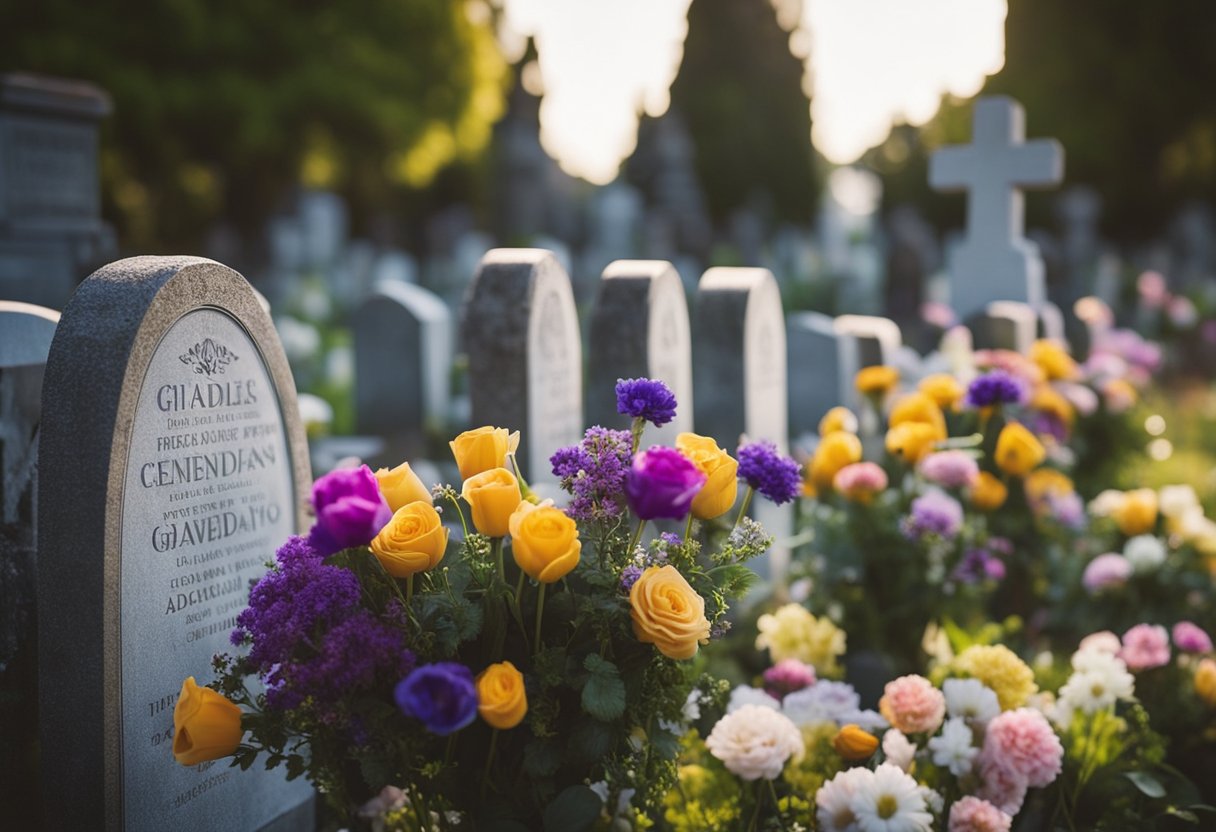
pixel 1106 572
pixel 913 705
pixel 1145 646
pixel 1004 786
pixel 1190 638
pixel 1103 641
pixel 950 469
pixel 971 814
pixel 1023 740
pixel 788 676
pixel 860 480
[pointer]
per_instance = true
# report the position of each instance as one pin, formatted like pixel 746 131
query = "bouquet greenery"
pixel 535 673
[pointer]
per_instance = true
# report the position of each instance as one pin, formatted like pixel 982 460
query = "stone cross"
pixel 640 328
pixel 172 462
pixel 521 334
pixel 995 261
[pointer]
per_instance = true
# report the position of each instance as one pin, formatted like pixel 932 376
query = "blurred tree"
pixel 220 108
pixel 740 92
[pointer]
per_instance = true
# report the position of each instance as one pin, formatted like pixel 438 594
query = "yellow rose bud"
pixel 1047 399
pixel 1205 681
pixel 400 486
pixel 482 449
pixel 721 471
pixel 206 725
pixel 917 407
pixel 501 699
pixel 838 418
pixel 835 451
pixel 1136 513
pixel 854 744
pixel 1053 360
pixel 912 441
pixel 988 493
pixel 493 496
pixel 877 380
pixel 943 388
pixel 544 541
pixel 1018 452
pixel 413 541
pixel 668 613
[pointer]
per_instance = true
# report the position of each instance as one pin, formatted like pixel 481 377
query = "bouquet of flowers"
pixel 533 674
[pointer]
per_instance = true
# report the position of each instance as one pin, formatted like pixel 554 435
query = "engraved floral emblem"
pixel 208 358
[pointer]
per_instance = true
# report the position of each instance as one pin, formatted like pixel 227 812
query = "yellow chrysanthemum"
pixel 793 633
pixel 999 668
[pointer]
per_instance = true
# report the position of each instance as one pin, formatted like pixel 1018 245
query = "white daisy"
pixel 1145 552
pixel 953 747
pixel 970 699
pixel 834 800
pixel 1101 680
pixel 890 801
pixel 744 695
pixel 897 749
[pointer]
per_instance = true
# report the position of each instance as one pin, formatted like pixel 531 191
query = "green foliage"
pixel 604 692
pixel 574 810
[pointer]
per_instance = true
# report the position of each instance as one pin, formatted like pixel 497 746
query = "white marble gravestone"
pixel 640 328
pixel 172 465
pixel 995 261
pixel 521 334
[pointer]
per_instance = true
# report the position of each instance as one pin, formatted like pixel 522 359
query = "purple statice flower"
pixel 823 701
pixel 670 539
pixel 1067 509
pixel 662 483
pixel 594 472
pixel 788 676
pixel 629 577
pixel 979 565
pixel 441 696
pixel 950 469
pixel 1048 424
pixel 933 513
pixel 645 398
pixel 350 510
pixel 1189 637
pixel 770 472
pixel 995 387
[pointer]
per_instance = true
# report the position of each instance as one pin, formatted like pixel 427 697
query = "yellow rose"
pixel 400 486
pixel 912 441
pixel 1136 512
pixel 1047 399
pixel 835 451
pixel 1018 452
pixel 667 613
pixel 1205 681
pixel 943 388
pixel 493 496
pixel 877 380
pixel 1053 360
pixel 854 744
pixel 721 471
pixel 838 418
pixel 988 493
pixel 206 725
pixel 482 449
pixel 544 541
pixel 501 699
pixel 413 541
pixel 917 407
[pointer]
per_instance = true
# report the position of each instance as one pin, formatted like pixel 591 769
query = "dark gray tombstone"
pixel 1004 325
pixel 25 339
pixel 403 361
pixel 172 464
pixel 521 333
pixel 51 231
pixel 640 328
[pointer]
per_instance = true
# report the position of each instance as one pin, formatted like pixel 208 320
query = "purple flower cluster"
pixel 629 577
pixel 662 483
pixel 309 636
pixel 770 472
pixel 979 565
pixel 350 510
pixel 645 398
pixel 593 472
pixel 996 387
pixel 933 513
pixel 442 696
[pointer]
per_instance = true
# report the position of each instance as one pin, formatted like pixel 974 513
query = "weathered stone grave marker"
pixel 172 464
pixel 521 333
pixel 640 327
pixel 995 261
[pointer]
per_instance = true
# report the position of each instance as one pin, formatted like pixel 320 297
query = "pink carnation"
pixel 971 814
pixel 1023 741
pixel 788 676
pixel 1189 638
pixel 1003 786
pixel 860 479
pixel 1145 646
pixel 913 705
pixel 950 469
pixel 1106 571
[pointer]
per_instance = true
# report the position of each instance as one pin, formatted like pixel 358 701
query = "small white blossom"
pixel 744 695
pixel 953 747
pixel 970 699
pixel 1145 552
pixel 898 750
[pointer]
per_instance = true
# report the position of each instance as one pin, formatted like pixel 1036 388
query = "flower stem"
pixel 496 550
pixel 688 528
pixel 751 826
pixel 409 590
pixel 485 775
pixel 772 790
pixel 639 425
pixel 460 513
pixel 747 501
pixel 637 536
pixel 540 612
pixel 516 608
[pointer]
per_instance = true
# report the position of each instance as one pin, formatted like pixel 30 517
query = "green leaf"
pixel 541 759
pixel 574 810
pixel 1146 783
pixel 604 693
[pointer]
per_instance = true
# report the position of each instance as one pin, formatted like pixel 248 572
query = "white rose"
pixel 755 742
pixel 1177 500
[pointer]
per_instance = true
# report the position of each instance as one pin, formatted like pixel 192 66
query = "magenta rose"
pixel 662 483
pixel 350 510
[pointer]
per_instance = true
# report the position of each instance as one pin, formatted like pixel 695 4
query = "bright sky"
pixel 872 62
